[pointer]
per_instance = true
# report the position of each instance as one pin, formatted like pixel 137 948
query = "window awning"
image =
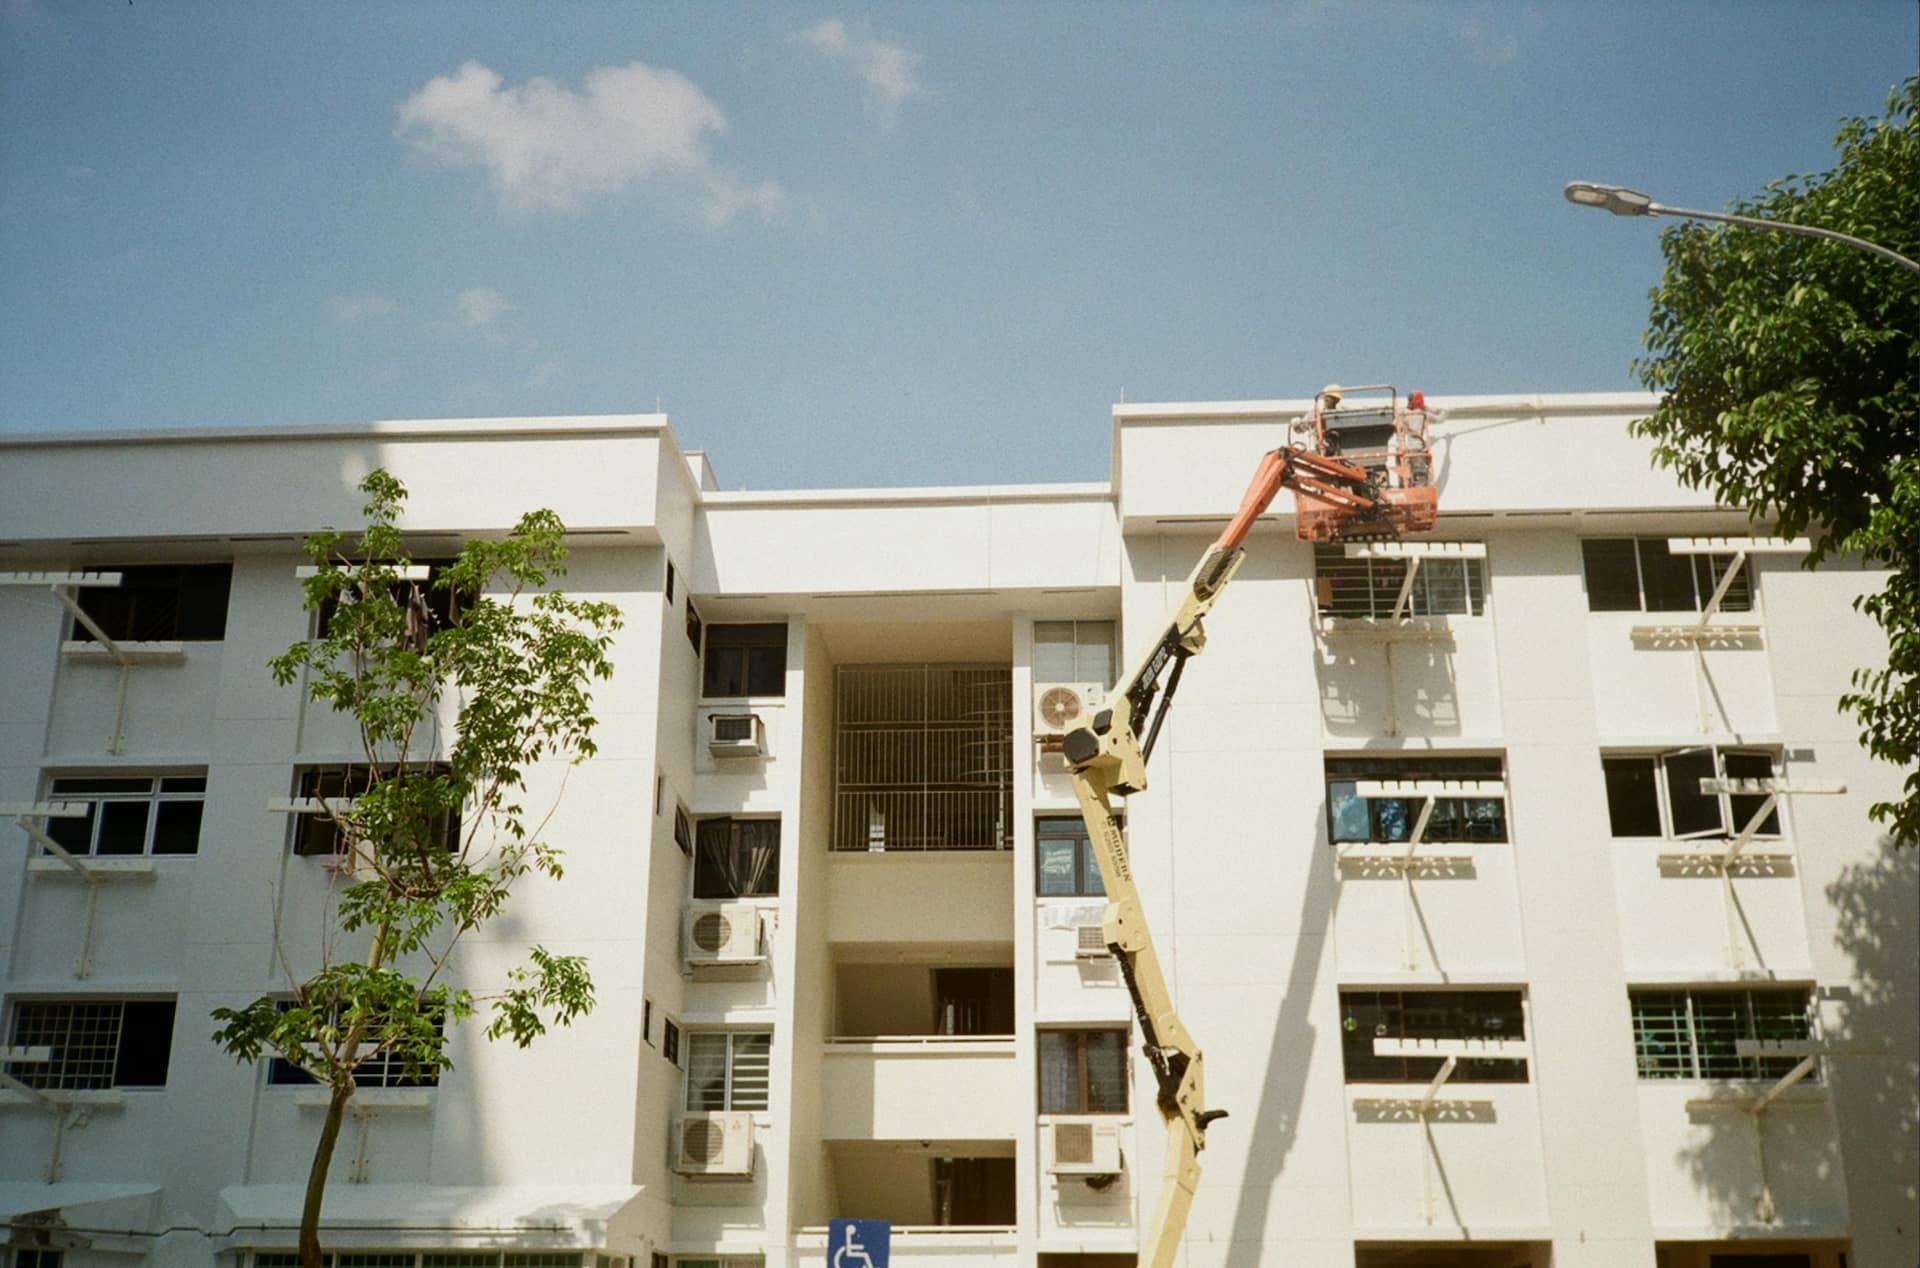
pixel 108 1207
pixel 569 1213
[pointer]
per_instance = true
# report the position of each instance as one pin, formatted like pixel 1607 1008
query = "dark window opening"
pixel 974 1192
pixel 670 1041
pixel 693 627
pixel 1642 574
pixel 973 1001
pixel 130 815
pixel 1658 794
pixel 384 1069
pixel 746 660
pixel 433 602
pixel 94 1043
pixel 1369 1015
pixel 318 834
pixel 737 858
pixel 159 603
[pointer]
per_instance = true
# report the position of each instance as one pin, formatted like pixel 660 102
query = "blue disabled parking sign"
pixel 858 1243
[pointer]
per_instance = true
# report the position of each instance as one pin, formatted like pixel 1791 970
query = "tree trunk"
pixel 310 1256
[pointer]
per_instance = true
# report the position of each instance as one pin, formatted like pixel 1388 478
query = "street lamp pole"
pixel 1622 201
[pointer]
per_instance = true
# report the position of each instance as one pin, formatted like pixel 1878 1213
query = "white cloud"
pixel 361 307
pixel 885 69
pixel 545 146
pixel 481 306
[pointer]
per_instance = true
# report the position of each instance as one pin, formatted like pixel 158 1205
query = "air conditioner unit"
pixel 1059 707
pixel 1090 942
pixel 1084 1147
pixel 727 933
pixel 714 1144
pixel 737 735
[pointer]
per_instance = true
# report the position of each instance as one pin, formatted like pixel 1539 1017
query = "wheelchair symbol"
pixel 853 1254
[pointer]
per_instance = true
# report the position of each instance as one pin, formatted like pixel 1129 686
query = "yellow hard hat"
pixel 1333 393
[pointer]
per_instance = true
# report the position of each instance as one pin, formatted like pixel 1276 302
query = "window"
pixel 646 1021
pixel 746 660
pixel 728 1070
pixel 670 1041
pixel 737 858
pixel 1351 817
pixel 160 603
pixel 96 1043
pixel 693 626
pixel 385 1069
pixel 682 829
pixel 669 583
pixel 28 1257
pixel 130 814
pixel 1083 1072
pixel 1074 651
pixel 318 834
pixel 1693 1033
pixel 660 1260
pixel 1065 860
pixel 433 603
pixel 1658 794
pixel 1369 1015
pixel 441 1259
pixel 1369 588
pixel 1629 574
pixel 659 790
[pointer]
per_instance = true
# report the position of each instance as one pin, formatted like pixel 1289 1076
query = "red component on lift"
pixel 1388 443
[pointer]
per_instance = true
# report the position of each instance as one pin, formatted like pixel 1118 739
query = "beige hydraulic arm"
pixel 1108 759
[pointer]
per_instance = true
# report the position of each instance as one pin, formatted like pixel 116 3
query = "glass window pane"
pixel 1059 1073
pixel 123 827
pixel 1094 659
pixel 752 1071
pixel 1059 858
pixel 707 1071
pixel 1694 813
pixel 1751 766
pixel 176 828
pixel 75 836
pixel 1633 801
pixel 1613 578
pixel 1668 578
pixel 1106 1071
pixel 1092 884
pixel 1350 820
pixel 1053 651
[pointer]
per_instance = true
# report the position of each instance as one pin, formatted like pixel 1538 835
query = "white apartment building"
pixel 828 874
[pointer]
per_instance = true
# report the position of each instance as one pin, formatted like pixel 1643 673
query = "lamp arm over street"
pixel 1631 202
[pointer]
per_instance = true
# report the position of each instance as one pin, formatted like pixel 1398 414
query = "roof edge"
pixel 383 429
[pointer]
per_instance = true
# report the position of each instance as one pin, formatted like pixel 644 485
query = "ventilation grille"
pixel 712 931
pixel 1073 1144
pixel 703 1141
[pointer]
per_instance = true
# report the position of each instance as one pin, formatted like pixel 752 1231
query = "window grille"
pixel 923 757
pixel 728 1070
pixel 1083 1071
pixel 1369 587
pixel 143 814
pixel 1694 1033
pixel 96 1043
pixel 383 1069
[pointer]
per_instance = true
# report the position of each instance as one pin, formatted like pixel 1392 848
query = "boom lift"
pixel 1356 474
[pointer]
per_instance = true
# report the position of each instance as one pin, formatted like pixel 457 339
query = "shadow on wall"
pixel 1275 1124
pixel 1876 1097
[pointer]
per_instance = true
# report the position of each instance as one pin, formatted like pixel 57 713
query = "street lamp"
pixel 1622 201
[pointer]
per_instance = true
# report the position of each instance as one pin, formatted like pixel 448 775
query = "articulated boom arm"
pixel 1109 759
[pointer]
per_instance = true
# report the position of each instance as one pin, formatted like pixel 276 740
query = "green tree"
pixel 451 712
pixel 1789 374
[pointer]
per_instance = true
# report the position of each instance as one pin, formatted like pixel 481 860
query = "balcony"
pixel 922 1087
pixel 923 758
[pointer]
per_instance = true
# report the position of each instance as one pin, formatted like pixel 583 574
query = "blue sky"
pixel 855 246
